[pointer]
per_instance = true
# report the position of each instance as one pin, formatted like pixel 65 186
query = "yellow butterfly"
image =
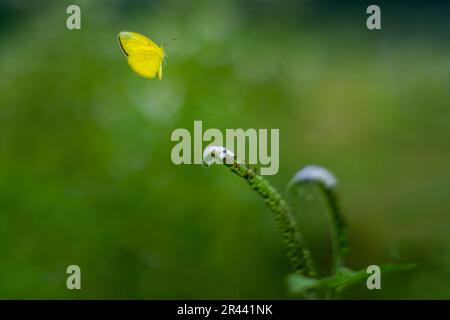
pixel 144 56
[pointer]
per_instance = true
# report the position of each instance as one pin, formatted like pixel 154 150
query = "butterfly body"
pixel 144 56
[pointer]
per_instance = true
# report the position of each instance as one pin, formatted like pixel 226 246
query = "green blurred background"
pixel 86 176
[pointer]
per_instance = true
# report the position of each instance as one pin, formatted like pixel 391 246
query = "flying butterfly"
pixel 144 56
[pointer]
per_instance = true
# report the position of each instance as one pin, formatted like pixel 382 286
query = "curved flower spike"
pixel 215 154
pixel 298 252
pixel 327 183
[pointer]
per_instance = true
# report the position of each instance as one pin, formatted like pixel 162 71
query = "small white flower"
pixel 313 173
pixel 215 154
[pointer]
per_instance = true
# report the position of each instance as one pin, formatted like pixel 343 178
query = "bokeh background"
pixel 86 176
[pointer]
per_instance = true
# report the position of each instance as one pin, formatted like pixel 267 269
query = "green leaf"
pixel 302 285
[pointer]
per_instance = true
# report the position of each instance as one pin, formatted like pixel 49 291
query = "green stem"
pixel 298 253
pixel 339 226
pixel 327 183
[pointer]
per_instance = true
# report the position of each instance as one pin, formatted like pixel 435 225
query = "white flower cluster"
pixel 313 173
pixel 215 154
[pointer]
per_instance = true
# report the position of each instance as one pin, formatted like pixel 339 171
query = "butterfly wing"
pixel 146 63
pixel 132 42
pixel 144 56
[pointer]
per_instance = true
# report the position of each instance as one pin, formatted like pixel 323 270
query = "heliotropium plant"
pixel 303 281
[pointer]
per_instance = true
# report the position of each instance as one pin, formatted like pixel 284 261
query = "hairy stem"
pixel 339 227
pixel 327 183
pixel 298 253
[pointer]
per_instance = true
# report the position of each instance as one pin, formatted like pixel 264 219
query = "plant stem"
pixel 298 253
pixel 327 183
pixel 339 228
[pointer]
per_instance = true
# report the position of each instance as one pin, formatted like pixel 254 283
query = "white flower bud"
pixel 215 154
pixel 313 173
